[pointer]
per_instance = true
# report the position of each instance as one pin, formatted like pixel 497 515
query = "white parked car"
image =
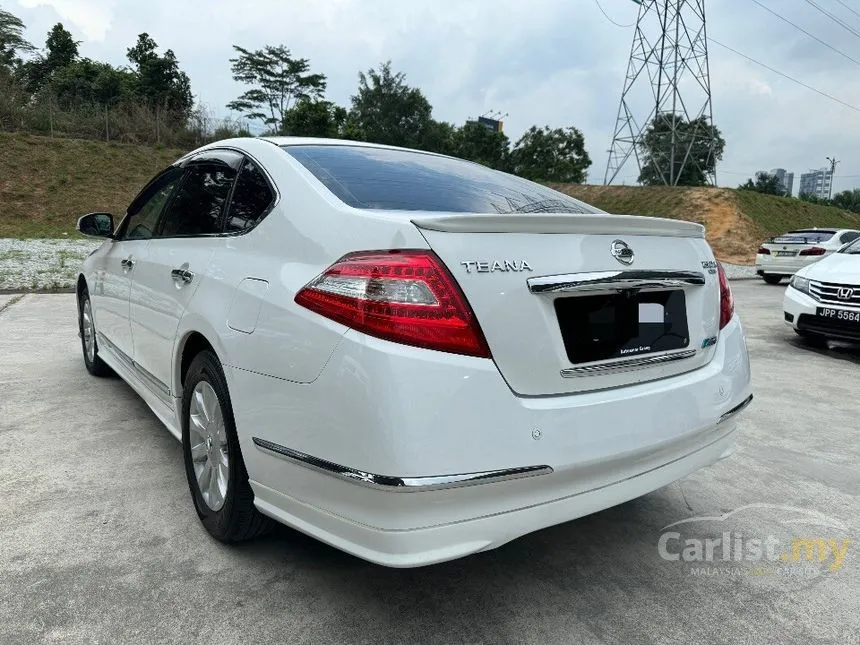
pixel 408 356
pixel 823 300
pixel 783 256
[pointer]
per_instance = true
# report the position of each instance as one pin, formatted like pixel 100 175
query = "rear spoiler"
pixel 582 224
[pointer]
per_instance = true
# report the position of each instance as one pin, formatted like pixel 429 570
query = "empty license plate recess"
pixel 628 323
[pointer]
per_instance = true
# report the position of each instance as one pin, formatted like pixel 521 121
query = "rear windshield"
pixel 378 178
pixel 805 237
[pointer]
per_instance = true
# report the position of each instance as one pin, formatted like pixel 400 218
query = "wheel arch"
pixel 194 336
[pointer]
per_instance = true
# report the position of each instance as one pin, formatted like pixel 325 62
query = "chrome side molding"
pixel 615 281
pixel 399 484
pixel 626 365
pixel 161 390
pixel 728 415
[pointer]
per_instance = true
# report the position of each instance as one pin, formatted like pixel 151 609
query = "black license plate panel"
pixel 842 316
pixel 621 325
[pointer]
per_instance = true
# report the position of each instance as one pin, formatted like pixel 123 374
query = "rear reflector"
pixel 727 301
pixel 763 251
pixel 406 297
pixel 815 250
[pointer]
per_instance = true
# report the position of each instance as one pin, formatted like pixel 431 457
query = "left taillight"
pixel 727 301
pixel 404 296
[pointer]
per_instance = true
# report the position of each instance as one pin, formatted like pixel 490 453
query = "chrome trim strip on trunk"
pixel 728 415
pixel 615 281
pixel 626 365
pixel 399 484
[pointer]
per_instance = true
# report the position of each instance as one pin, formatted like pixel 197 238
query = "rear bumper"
pixel 773 265
pixel 382 412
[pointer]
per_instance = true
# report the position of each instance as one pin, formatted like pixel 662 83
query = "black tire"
pixel 94 364
pixel 769 278
pixel 238 519
pixel 813 340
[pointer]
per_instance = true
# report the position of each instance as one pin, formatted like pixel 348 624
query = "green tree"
pixel 12 41
pixel 764 183
pixel 61 50
pixel 559 155
pixel 386 110
pixel 314 118
pixel 438 136
pixel 89 82
pixel 159 81
pixel 479 143
pixel 848 199
pixel 277 82
pixel 691 169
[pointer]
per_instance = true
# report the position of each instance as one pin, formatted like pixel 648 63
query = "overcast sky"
pixel 554 62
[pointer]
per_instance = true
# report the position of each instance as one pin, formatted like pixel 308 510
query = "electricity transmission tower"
pixel 666 100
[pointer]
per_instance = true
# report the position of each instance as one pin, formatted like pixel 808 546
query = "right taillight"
pixel 727 301
pixel 406 296
pixel 815 250
pixel 763 251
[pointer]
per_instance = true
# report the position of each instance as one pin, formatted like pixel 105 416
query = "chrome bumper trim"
pixel 626 365
pixel 399 484
pixel 615 281
pixel 728 415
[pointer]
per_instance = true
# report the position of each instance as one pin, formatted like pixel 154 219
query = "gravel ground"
pixel 739 271
pixel 34 265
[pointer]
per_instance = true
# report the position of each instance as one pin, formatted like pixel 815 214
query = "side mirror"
pixel 96 225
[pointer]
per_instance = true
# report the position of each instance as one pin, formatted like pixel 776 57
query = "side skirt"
pixel 160 402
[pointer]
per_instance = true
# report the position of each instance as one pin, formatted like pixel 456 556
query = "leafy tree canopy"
pixel 314 118
pixel 544 154
pixel 693 157
pixel 277 82
pixel 479 143
pixel 764 183
pixel 159 82
pixel 12 41
pixel 387 110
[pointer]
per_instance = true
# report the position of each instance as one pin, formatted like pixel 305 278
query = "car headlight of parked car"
pixel 800 283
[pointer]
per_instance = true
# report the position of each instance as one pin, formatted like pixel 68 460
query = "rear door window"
pixel 403 180
pixel 252 199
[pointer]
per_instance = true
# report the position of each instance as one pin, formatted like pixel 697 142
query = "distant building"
pixel 817 183
pixel 786 179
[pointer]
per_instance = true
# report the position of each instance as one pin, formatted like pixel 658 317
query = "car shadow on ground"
pixel 835 350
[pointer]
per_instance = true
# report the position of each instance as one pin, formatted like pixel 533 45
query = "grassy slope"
pixel 736 220
pixel 46 184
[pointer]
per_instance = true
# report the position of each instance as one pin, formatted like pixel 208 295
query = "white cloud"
pixel 92 17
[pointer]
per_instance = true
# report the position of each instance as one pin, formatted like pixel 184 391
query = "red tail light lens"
pixel 763 251
pixel 407 297
pixel 815 250
pixel 727 301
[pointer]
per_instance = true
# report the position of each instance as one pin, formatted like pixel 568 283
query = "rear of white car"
pixel 823 301
pixel 413 357
pixel 496 374
pixel 783 256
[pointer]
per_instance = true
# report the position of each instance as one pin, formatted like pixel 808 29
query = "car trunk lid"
pixel 572 303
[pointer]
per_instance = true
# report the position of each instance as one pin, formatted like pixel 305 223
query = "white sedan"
pixel 410 357
pixel 823 300
pixel 782 256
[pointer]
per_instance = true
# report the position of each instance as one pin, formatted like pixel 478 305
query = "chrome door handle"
pixel 127 263
pixel 184 275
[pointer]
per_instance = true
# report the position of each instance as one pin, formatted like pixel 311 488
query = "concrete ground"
pixel 99 541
